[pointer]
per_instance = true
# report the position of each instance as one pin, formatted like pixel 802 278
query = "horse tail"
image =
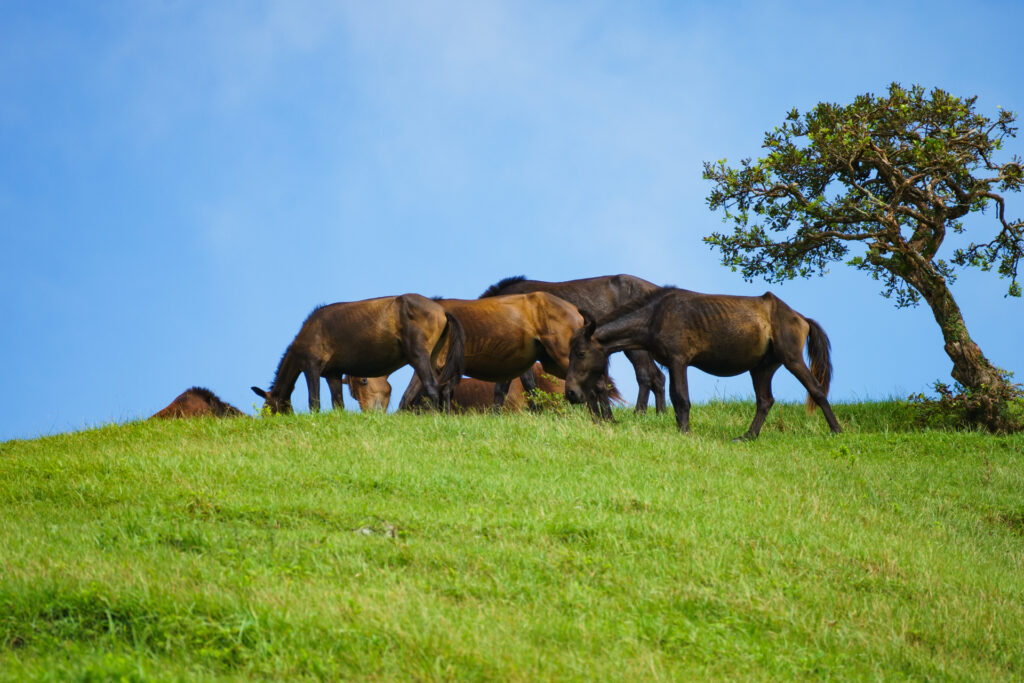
pixel 455 359
pixel 819 351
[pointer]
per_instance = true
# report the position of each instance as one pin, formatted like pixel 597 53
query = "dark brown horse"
pixel 719 334
pixel 370 338
pixel 506 335
pixel 197 402
pixel 372 393
pixel 596 297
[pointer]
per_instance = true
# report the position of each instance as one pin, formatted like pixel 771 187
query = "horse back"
pixel 718 333
pixel 504 315
pixel 592 296
pixel 368 338
pixel 552 315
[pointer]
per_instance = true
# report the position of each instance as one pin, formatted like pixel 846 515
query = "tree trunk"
pixel 970 367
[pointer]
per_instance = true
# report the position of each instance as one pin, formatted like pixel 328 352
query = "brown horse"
pixel 372 393
pixel 596 297
pixel 506 335
pixel 719 334
pixel 197 402
pixel 476 395
pixel 370 338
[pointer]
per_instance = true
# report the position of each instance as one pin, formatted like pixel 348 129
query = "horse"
pixel 197 402
pixel 506 335
pixel 372 393
pixel 476 395
pixel 370 338
pixel 595 297
pixel 719 334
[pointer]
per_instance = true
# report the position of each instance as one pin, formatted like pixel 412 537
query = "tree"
pixel 895 174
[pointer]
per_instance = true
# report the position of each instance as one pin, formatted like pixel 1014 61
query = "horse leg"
pixel 529 383
pixel 643 380
pixel 762 377
pixel 413 393
pixel 419 358
pixel 428 380
pixel 815 390
pixel 658 386
pixel 335 384
pixel 679 391
pixel 313 385
pixel 500 392
pixel 648 376
pixel 605 404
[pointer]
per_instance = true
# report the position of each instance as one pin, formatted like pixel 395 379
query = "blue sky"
pixel 181 182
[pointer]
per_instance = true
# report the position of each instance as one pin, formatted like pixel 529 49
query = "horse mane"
pixel 495 290
pixel 636 304
pixel 287 351
pixel 219 407
pixel 204 394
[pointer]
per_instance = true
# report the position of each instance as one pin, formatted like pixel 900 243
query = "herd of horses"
pixel 493 352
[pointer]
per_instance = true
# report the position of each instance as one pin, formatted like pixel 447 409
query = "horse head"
pixel 275 404
pixel 373 393
pixel 588 366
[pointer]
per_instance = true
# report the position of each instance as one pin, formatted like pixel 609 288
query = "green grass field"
pixel 349 546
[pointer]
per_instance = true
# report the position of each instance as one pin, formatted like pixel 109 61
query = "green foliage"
pixel 515 547
pixel 548 402
pixel 894 173
pixel 999 409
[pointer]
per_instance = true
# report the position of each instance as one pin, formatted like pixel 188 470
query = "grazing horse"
pixel 506 335
pixel 719 334
pixel 596 297
pixel 370 338
pixel 372 393
pixel 197 402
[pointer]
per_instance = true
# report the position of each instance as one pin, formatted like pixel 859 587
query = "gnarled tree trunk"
pixel 970 366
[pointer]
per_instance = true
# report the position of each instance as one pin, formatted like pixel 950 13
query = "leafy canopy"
pixel 896 173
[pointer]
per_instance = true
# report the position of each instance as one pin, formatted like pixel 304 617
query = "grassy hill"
pixel 524 547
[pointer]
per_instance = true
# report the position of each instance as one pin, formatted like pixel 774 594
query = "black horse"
pixel 596 297
pixel 371 338
pixel 719 334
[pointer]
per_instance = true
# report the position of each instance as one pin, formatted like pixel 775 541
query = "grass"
pixel 519 547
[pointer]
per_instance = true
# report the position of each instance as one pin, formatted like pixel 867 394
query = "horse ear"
pixel 259 392
pixel 589 325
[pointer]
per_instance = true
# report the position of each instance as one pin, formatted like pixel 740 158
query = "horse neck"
pixel 626 332
pixel 288 372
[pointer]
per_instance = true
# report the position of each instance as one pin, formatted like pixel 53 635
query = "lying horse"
pixel 476 395
pixel 372 393
pixel 370 338
pixel 719 334
pixel 596 297
pixel 197 402
pixel 506 335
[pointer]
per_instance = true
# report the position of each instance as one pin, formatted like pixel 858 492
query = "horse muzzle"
pixel 573 396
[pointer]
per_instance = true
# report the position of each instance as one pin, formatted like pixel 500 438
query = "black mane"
pixel 287 351
pixel 205 394
pixel 495 290
pixel 217 406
